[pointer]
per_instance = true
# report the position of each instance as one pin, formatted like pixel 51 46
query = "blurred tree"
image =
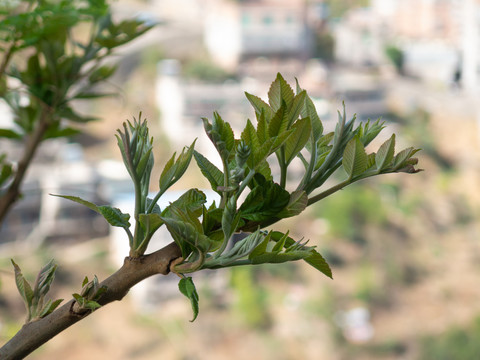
pixel 56 52
pixel 395 55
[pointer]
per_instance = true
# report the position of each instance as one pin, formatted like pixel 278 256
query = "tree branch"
pixel 31 146
pixel 34 334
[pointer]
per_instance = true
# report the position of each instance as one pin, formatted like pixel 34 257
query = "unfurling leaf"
pixel 187 288
pixel 23 286
pixel 34 299
pixel 174 169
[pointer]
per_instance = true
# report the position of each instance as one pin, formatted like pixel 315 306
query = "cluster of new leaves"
pixel 35 302
pixel 91 292
pixel 288 127
pixel 48 62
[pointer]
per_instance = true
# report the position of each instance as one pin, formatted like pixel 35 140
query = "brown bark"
pixel 34 334
pixel 31 146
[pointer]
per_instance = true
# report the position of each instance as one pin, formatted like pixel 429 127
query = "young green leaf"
pixel 187 288
pixel 264 201
pixel 314 258
pixel 174 169
pixel 385 154
pixel 354 158
pixel 310 111
pixel 296 142
pixel 260 106
pixel 210 171
pixel 279 122
pixel 114 216
pixel 10 134
pixel 44 279
pixel 280 92
pixel 296 108
pixel 401 158
pixel 318 262
pixel 187 236
pixel 76 199
pixel 297 203
pixel 49 307
pixel 262 127
pixel 23 286
pixel 250 137
pixel 150 222
pixel 230 219
pixel 191 200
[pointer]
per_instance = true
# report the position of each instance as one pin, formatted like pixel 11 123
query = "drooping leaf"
pixel 318 262
pixel 354 158
pixel 314 258
pixel 187 288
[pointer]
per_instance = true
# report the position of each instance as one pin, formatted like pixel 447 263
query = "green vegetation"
pixel 54 54
pixel 456 343
pixel 395 55
pixel 288 127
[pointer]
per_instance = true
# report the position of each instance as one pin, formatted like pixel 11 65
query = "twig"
pixel 34 334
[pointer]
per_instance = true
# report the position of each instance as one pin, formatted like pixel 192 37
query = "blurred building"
pixel 440 39
pixel 238 30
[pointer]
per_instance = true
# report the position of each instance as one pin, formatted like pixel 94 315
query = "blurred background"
pixel 404 249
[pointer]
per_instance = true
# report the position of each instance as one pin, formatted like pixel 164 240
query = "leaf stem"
pixel 308 174
pixel 328 192
pixel 226 181
pixel 155 200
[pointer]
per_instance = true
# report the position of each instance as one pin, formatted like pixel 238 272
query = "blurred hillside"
pixel 404 249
